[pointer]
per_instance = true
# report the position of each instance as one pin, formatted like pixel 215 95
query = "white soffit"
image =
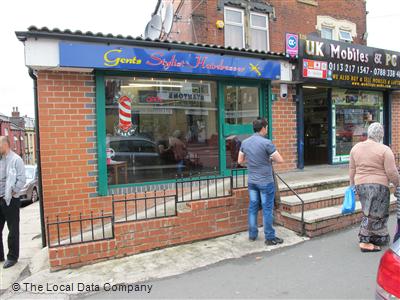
pixel 44 54
pixel 41 53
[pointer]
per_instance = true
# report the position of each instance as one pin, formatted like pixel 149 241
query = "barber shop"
pixel 343 88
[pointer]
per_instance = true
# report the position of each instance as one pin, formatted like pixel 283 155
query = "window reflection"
pixel 241 104
pixel 159 128
pixel 355 111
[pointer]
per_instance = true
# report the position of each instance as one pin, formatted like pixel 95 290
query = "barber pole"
pixel 125 127
pixel 125 114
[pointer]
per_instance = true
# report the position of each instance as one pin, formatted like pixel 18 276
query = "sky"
pixel 127 17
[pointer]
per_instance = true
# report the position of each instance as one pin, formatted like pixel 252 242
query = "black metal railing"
pixel 80 230
pixel 152 205
pixel 199 188
pixel 303 224
pixel 239 178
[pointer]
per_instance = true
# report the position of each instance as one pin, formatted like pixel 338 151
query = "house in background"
pixel 30 146
pixel 21 132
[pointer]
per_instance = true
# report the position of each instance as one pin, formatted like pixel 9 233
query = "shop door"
pixel 240 106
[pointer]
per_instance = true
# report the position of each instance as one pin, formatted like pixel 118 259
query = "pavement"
pixel 31 245
pixel 147 266
pixel 328 267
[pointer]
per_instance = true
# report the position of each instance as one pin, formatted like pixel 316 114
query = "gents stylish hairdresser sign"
pixel 161 60
pixel 349 64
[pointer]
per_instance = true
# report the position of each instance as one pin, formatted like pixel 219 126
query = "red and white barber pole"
pixel 125 126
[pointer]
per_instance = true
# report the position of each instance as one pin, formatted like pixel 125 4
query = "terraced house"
pixel 139 137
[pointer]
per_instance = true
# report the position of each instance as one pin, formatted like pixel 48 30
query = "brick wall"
pixel 196 220
pixel 301 18
pixel 396 122
pixel 291 16
pixel 284 128
pixel 68 144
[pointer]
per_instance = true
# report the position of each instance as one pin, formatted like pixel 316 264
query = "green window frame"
pixel 265 111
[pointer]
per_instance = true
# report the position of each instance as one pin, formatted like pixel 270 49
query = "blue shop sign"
pixel 161 60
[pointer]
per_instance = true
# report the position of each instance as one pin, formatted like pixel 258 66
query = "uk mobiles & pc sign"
pixel 349 65
pixel 167 61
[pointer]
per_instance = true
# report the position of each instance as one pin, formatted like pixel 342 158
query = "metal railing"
pixel 239 178
pixel 149 205
pixel 80 230
pixel 303 224
pixel 197 188
pixel 152 205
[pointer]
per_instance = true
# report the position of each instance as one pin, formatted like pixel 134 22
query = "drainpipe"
pixel 39 165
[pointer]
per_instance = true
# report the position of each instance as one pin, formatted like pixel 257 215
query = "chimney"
pixel 16 118
pixel 15 112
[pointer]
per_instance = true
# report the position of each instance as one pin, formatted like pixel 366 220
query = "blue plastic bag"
pixel 349 202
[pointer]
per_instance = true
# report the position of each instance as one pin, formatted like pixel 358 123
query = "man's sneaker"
pixel 251 239
pixel 273 242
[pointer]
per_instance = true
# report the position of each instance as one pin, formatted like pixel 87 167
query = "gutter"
pixel 38 160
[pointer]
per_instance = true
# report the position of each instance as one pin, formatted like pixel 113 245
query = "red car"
pixel 388 280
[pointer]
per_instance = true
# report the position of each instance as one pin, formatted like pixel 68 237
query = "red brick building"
pixel 113 110
pixel 343 21
pixel 14 129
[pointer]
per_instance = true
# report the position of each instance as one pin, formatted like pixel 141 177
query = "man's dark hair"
pixel 259 124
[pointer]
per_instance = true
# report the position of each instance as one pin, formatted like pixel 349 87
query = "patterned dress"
pixel 375 201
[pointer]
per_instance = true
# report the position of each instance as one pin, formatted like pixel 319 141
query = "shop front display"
pixel 353 83
pixel 160 128
pixel 352 112
pixel 166 113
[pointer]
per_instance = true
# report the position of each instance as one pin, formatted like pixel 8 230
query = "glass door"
pixel 241 105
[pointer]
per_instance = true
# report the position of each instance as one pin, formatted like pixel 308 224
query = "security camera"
pixel 284 90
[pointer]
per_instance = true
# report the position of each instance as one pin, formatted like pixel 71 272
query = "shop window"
pixel 353 111
pixel 6 131
pixel 234 27
pixel 259 39
pixel 327 33
pixel 345 36
pixel 157 129
pixel 241 104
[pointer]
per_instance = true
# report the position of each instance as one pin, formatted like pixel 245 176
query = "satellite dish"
pixel 169 17
pixel 153 28
pixel 146 31
pixel 163 11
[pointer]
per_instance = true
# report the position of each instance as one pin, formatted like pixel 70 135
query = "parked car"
pixel 388 279
pixel 30 192
pixel 139 152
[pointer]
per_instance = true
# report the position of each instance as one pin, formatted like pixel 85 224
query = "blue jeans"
pixel 263 195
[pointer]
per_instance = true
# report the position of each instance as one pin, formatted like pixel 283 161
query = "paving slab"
pixel 30 244
pixel 156 264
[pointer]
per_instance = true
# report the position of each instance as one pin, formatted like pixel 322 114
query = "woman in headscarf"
pixel 372 168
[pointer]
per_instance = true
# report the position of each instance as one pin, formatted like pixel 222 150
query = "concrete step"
pixel 313 185
pixel 313 200
pixel 323 220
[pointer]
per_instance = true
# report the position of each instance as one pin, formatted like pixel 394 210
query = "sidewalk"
pixel 30 246
pixel 151 265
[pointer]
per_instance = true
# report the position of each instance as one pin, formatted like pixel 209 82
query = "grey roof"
pixel 99 37
pixel 4 118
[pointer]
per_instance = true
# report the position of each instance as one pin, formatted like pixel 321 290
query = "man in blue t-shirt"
pixel 259 153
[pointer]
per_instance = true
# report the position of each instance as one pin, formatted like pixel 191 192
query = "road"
pixel 330 266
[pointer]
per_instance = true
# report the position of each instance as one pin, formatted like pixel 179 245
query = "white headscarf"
pixel 376 132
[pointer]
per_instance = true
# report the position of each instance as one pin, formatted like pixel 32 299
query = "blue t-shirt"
pixel 258 150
